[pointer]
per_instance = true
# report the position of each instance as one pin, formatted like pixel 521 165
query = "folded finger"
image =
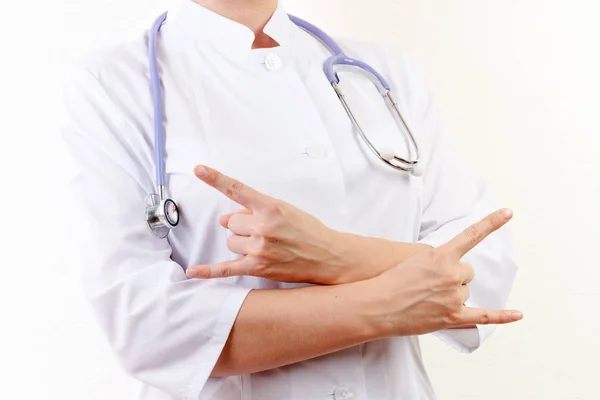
pixel 224 219
pixel 241 224
pixel 239 244
pixel 466 293
pixel 468 272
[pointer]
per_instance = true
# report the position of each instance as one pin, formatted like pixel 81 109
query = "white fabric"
pixel 228 108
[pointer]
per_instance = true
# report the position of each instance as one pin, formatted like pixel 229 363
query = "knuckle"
pixel 263 229
pixel 273 207
pixel 503 318
pixel 495 221
pixel 443 280
pixel 260 269
pixel 434 257
pixel 456 300
pixel 224 271
pixel 450 277
pixel 456 277
pixel 213 177
pixel 452 318
pixel 471 271
pixel 234 189
pixel 466 265
pixel 252 262
pixel 473 234
pixel 442 257
pixel 467 293
pixel 432 254
pixel 257 252
pixel 262 245
pixel 484 318
pixel 468 269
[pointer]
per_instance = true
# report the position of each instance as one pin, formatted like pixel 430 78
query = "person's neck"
pixel 252 13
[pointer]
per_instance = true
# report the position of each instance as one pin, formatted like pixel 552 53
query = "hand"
pixel 276 240
pixel 427 292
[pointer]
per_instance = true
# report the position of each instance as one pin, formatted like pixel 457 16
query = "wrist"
pixel 362 302
pixel 345 259
pixel 356 258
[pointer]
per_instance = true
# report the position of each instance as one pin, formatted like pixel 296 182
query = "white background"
pixel 518 83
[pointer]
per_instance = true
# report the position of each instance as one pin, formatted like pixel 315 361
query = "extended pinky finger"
pixel 480 316
pixel 219 270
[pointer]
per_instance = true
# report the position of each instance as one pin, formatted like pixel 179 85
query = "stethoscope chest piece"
pixel 161 215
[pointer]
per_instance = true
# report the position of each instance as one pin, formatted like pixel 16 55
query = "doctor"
pixel 225 307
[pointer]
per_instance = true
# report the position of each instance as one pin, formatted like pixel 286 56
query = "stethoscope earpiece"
pixel 418 170
pixel 387 154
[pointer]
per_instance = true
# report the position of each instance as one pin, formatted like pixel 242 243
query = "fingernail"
pixel 517 315
pixel 192 273
pixel 201 171
pixel 506 213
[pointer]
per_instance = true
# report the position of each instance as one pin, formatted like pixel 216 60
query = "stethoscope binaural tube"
pixel 162 213
pixel 338 57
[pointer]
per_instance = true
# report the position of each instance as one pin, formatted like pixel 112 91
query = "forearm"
pixel 359 257
pixel 280 327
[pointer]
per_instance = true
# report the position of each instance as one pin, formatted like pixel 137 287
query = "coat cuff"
pixel 201 381
pixel 465 340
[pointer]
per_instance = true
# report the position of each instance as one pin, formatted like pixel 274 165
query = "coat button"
pixel 316 151
pixel 343 393
pixel 273 62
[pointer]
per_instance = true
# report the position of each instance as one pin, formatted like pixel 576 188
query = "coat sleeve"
pixel 454 196
pixel 166 331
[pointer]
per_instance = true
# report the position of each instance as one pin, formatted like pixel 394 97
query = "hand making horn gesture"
pixel 428 292
pixel 275 239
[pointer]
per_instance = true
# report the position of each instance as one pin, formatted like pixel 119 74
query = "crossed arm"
pixel 371 288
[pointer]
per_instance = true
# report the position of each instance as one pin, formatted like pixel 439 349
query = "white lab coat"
pixel 284 132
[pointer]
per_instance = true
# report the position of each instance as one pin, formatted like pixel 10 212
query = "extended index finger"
pixel 473 235
pixel 234 189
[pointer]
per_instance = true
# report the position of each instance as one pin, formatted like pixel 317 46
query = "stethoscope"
pixel 162 213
